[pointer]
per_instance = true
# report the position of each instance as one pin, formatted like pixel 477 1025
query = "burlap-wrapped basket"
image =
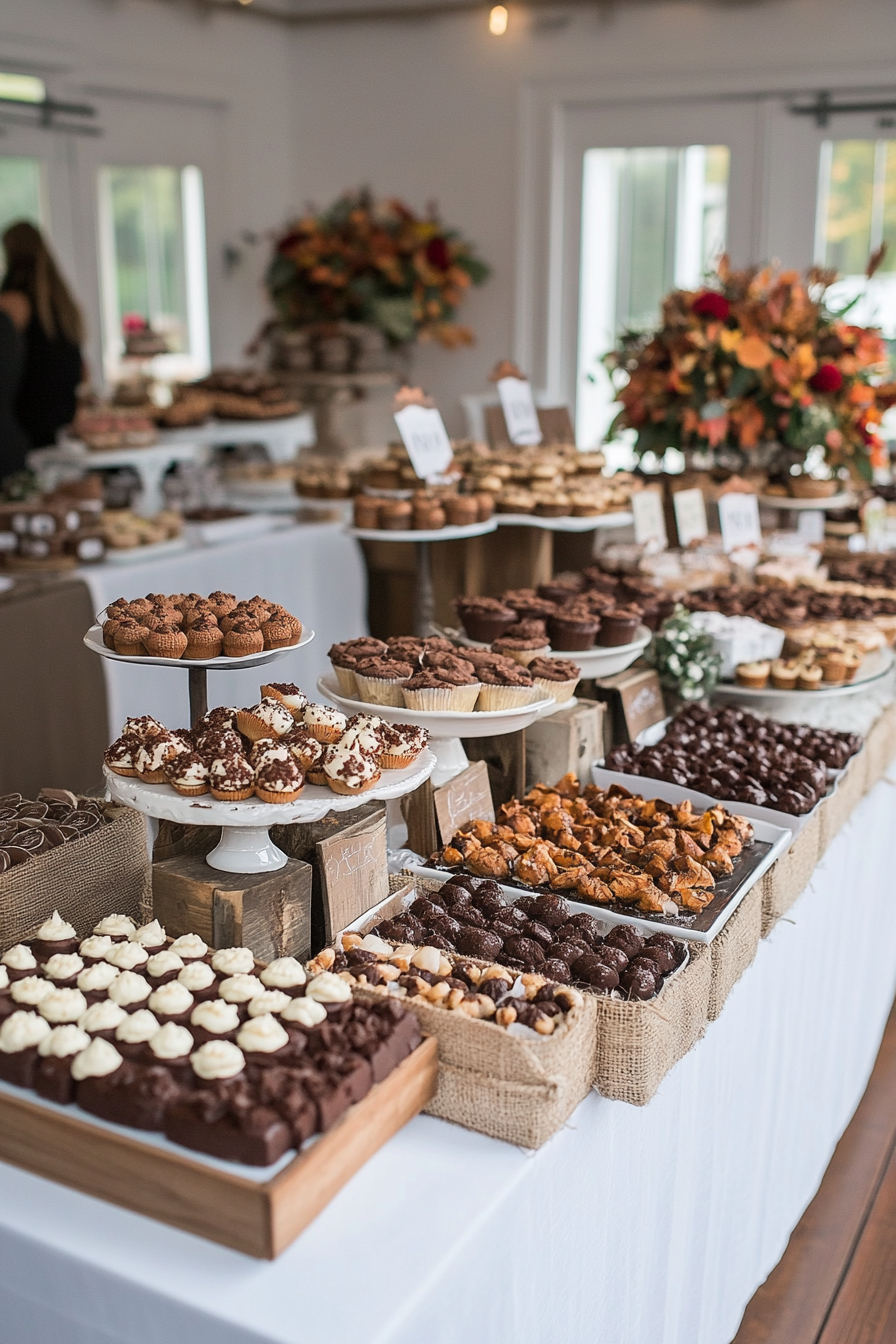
pixel 734 949
pixel 638 1043
pixel 850 790
pixel 510 1087
pixel 106 872
pixel 789 876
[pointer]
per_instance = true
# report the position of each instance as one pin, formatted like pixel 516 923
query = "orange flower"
pixel 753 353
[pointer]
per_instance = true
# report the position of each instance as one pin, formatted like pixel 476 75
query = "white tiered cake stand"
pixel 447 728
pixel 245 845
pixel 603 660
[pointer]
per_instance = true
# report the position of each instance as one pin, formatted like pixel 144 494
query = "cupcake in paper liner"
pixel 438 690
pixel 523 642
pixel 505 685
pixel 402 743
pixel 344 658
pixel 555 677
pixel 380 680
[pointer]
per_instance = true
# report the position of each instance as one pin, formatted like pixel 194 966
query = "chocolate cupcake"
pixel 573 628
pixel 440 689
pixel 618 626
pixel 505 685
pixel 484 618
pixel 555 677
pixel 380 680
pixel 523 642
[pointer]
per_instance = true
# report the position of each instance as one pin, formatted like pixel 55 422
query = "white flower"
pixel 673 663
pixel 694 672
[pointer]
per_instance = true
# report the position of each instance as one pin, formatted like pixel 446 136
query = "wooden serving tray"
pixel 259 1218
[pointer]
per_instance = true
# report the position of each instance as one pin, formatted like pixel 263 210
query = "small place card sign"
pixel 810 526
pixel 642 703
pixel 874 521
pixel 690 516
pixel 650 521
pixel 354 872
pixel 739 519
pixel 520 414
pixel 424 435
pixel 463 799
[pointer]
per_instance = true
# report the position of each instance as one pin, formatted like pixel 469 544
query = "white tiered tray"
pixel 567 523
pixel 601 661
pixel 245 845
pixel 94 641
pixel 875 666
pixel 447 728
pixel 446 533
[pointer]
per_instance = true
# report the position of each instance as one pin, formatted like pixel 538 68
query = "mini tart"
pixel 243 637
pixel 278 781
pixel 305 750
pixel 402 744
pixel 784 674
pixel 153 756
pixel 809 678
pixel 231 779
pixel 834 668
pixel 204 640
pixel 188 775
pixel 290 695
pixel 754 675
pixel 269 718
pixel 166 641
pixel 119 757
pixel 324 723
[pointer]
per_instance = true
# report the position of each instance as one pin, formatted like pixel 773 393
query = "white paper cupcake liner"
pixel 507 697
pixel 560 691
pixel 524 656
pixel 441 699
pixel 379 690
pixel 348 684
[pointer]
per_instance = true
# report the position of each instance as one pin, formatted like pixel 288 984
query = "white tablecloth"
pixel 313 569
pixel 650 1226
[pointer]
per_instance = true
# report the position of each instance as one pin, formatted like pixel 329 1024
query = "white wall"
pixel 165 78
pixel 428 109
pixel 434 109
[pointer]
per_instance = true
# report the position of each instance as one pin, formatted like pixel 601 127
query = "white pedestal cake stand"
pixel 422 538
pixel 445 729
pixel 592 522
pixel 197 668
pixel 245 845
pixel 600 661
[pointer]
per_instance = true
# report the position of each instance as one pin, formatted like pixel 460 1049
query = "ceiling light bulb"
pixel 497 20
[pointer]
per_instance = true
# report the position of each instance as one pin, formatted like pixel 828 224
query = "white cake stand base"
pixel 246 849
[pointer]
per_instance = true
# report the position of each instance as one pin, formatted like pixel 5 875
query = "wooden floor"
pixel 836 1283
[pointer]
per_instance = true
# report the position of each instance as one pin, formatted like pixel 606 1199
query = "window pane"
pixel 849 206
pixel 652 219
pixel 856 213
pixel 152 251
pixel 20 191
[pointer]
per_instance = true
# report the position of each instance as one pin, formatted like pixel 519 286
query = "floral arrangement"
pixel 757 358
pixel 365 260
pixel 685 657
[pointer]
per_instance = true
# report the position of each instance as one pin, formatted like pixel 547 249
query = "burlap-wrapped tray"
pixel 786 879
pixel 510 1087
pixel 734 949
pixel 850 790
pixel 638 1043
pixel 107 871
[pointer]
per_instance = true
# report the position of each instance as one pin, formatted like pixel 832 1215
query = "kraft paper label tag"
pixel 354 872
pixel 520 414
pixel 739 519
pixel 642 703
pixel 424 435
pixel 466 798
pixel 690 516
pixel 650 522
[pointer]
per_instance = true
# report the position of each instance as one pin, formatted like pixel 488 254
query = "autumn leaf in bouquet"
pixel 375 261
pixel 756 358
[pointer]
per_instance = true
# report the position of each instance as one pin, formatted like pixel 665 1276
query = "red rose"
pixel 713 305
pixel 437 254
pixel 827 378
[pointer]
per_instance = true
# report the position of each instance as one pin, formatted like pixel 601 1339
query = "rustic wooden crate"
pixel 259 1218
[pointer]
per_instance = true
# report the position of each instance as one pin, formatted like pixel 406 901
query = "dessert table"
pixel 313 569
pixel 650 1226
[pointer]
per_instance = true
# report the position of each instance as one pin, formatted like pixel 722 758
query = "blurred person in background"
pixel 13 444
pixel 41 307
